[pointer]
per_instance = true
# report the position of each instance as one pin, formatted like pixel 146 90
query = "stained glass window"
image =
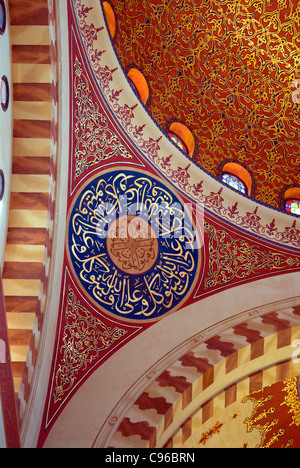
pixel 178 142
pixel 234 182
pixel 292 206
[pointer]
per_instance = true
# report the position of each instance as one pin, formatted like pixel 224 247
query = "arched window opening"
pixel 292 201
pixel 4 93
pixel 237 177
pixel 184 135
pixel 2 184
pixel 234 182
pixel 140 83
pixel 110 18
pixel 178 141
pixel 2 17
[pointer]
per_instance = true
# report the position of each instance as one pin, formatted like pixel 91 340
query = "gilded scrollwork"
pixel 84 337
pixel 231 258
pixel 95 141
pixel 292 399
pixel 275 414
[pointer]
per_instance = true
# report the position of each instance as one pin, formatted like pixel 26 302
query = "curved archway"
pixel 239 416
pixel 205 365
pixel 182 397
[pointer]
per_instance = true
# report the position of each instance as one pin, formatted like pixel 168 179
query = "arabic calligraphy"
pixel 132 245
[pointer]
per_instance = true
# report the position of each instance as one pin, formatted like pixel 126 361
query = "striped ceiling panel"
pixel 23 267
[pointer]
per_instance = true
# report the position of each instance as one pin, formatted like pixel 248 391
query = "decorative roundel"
pixel 132 245
pixel 2 17
pixel 4 88
pixel 2 184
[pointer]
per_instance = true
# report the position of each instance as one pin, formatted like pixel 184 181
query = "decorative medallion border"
pixel 139 296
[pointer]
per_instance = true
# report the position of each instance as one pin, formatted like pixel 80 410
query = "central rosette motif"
pixel 132 245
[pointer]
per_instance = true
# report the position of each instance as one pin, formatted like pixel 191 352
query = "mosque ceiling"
pixel 228 71
pixel 144 238
pixel 118 283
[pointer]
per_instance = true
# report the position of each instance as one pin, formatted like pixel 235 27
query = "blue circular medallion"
pixel 132 245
